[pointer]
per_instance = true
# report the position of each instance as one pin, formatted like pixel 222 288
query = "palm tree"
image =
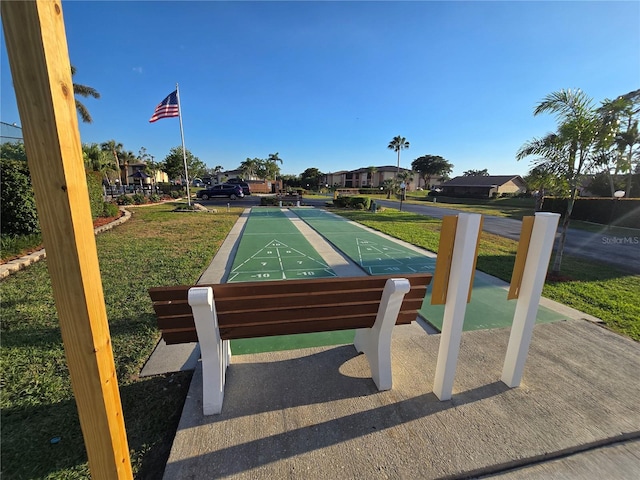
pixel 372 171
pixel 569 152
pixel 114 148
pixel 390 186
pixel 396 144
pixel 84 91
pixel 127 158
pixel 249 167
pixel 621 116
pixel 405 176
pixel 271 166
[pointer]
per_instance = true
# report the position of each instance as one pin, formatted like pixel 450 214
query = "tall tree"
pixel 569 151
pixel 173 164
pixel 249 167
pixel 405 176
pixel 621 134
pixel 371 171
pixel 83 91
pixel 271 168
pixel 476 173
pixel 544 182
pixel 397 144
pixel 429 166
pixel 97 160
pixel 127 158
pixel 310 178
pixel 115 149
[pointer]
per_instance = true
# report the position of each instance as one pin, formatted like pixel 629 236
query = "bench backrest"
pixel 259 309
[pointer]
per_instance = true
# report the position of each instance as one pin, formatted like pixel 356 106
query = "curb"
pixel 18 264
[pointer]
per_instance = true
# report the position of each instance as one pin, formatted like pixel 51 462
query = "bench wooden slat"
pixel 284 307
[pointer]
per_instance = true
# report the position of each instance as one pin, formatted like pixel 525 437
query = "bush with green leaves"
pixel 175 194
pixel 154 198
pixel 139 199
pixel 18 215
pixel 124 200
pixel 96 197
pixel 110 210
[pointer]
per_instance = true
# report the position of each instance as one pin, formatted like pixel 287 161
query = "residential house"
pixel 484 186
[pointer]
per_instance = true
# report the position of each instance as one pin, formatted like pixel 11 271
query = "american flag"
pixel 167 108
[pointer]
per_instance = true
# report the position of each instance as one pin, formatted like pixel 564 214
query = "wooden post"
pixel 39 60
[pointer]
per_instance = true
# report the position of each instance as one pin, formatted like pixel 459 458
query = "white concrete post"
pixel 524 319
pixel 214 351
pixel 375 342
pixel 462 261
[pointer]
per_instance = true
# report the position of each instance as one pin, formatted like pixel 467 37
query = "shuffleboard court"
pixel 272 248
pixel 375 254
pixel 489 307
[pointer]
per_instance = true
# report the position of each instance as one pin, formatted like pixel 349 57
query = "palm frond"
pixel 83 112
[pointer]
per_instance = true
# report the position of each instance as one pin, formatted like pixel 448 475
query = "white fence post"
pixel 524 319
pixel 462 262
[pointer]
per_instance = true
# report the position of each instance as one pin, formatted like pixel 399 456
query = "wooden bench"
pixel 215 314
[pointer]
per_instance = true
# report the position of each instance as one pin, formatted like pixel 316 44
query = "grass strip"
pixel 41 436
pixel 594 288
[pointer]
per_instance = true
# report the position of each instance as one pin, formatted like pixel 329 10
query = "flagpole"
pixel 184 151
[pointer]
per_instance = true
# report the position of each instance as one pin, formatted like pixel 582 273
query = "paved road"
pixel 623 252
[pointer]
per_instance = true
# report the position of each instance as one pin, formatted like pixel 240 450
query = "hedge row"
pixel 624 212
pixel 357 203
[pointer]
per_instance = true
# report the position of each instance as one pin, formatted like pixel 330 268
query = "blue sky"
pixel 329 84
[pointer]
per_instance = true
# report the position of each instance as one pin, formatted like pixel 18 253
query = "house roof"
pixel 482 181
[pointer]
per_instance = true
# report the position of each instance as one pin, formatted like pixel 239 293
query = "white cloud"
pixel 137 69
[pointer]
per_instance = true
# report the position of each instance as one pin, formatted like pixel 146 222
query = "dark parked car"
pixel 222 190
pixel 245 186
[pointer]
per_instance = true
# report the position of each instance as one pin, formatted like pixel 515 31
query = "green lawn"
pixel 604 292
pixel 160 247
pixel 156 247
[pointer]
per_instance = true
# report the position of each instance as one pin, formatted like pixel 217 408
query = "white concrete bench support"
pixel 215 352
pixel 375 342
pixel 524 319
pixel 464 251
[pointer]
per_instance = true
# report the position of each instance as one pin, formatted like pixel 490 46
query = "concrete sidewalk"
pixel 316 413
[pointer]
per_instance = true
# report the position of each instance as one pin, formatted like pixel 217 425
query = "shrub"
pixel 175 194
pixel 357 203
pixel 139 199
pixel 18 215
pixel 110 210
pixel 360 203
pixel 154 197
pixel 124 200
pixel 96 198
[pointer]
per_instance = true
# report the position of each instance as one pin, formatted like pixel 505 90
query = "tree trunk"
pixel 557 263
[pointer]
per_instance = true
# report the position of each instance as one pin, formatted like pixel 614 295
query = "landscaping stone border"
pixel 18 264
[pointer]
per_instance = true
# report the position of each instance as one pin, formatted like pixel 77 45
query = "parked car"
pixel 245 186
pixel 222 190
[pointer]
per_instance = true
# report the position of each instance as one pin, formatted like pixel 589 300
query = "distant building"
pixel 484 186
pixel 364 178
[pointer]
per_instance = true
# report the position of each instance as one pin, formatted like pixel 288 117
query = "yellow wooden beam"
pixel 521 257
pixel 39 60
pixel 440 282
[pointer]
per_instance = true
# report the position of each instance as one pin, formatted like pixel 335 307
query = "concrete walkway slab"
pixel 316 413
